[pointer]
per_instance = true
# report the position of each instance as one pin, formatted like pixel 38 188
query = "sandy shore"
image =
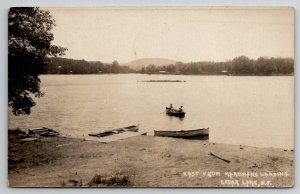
pixel 146 161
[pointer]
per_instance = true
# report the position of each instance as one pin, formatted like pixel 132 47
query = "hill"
pixel 140 63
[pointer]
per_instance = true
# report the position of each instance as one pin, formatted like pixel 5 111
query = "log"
pixel 228 161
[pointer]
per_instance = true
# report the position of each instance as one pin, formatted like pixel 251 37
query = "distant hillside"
pixel 140 63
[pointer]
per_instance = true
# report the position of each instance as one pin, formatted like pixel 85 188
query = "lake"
pixel 247 110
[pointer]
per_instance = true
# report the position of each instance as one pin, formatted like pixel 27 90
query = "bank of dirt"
pixel 145 161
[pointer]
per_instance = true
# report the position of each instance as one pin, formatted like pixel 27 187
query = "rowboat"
pixel 174 112
pixel 183 133
pixel 132 128
pixel 46 132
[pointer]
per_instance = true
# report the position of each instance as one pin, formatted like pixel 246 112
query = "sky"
pixel 181 34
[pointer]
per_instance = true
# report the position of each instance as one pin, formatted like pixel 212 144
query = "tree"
pixel 151 68
pixel 242 65
pixel 115 67
pixel 29 46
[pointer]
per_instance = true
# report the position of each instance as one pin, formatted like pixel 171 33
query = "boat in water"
pixel 183 133
pixel 174 112
pixel 132 128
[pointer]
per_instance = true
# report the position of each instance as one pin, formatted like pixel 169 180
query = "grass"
pixel 117 180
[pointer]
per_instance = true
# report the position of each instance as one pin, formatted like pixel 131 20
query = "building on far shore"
pixel 162 72
pixel 224 72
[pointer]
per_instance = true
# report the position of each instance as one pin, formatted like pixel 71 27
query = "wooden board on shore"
pixel 116 137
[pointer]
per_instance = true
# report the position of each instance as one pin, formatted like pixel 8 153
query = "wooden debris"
pixel 65 144
pixel 228 161
pixel 29 139
pixel 73 181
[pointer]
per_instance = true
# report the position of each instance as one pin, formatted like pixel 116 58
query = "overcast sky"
pixel 190 34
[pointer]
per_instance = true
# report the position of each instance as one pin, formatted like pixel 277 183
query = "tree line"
pixel 71 66
pixel 238 66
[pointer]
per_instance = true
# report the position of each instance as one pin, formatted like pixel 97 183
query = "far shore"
pixel 145 161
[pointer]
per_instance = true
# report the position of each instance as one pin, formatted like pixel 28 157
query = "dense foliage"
pixel 72 66
pixel 29 46
pixel 238 66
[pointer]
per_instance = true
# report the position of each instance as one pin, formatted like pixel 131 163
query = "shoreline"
pixel 145 161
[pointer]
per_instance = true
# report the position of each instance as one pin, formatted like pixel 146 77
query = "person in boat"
pixel 180 109
pixel 171 106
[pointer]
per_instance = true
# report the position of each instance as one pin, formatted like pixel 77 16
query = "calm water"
pixel 257 111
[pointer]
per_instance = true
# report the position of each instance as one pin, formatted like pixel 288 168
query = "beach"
pixel 145 161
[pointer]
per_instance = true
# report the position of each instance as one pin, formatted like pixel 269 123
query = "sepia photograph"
pixel 151 97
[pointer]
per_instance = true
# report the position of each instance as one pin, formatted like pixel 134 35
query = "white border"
pixel 4 6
